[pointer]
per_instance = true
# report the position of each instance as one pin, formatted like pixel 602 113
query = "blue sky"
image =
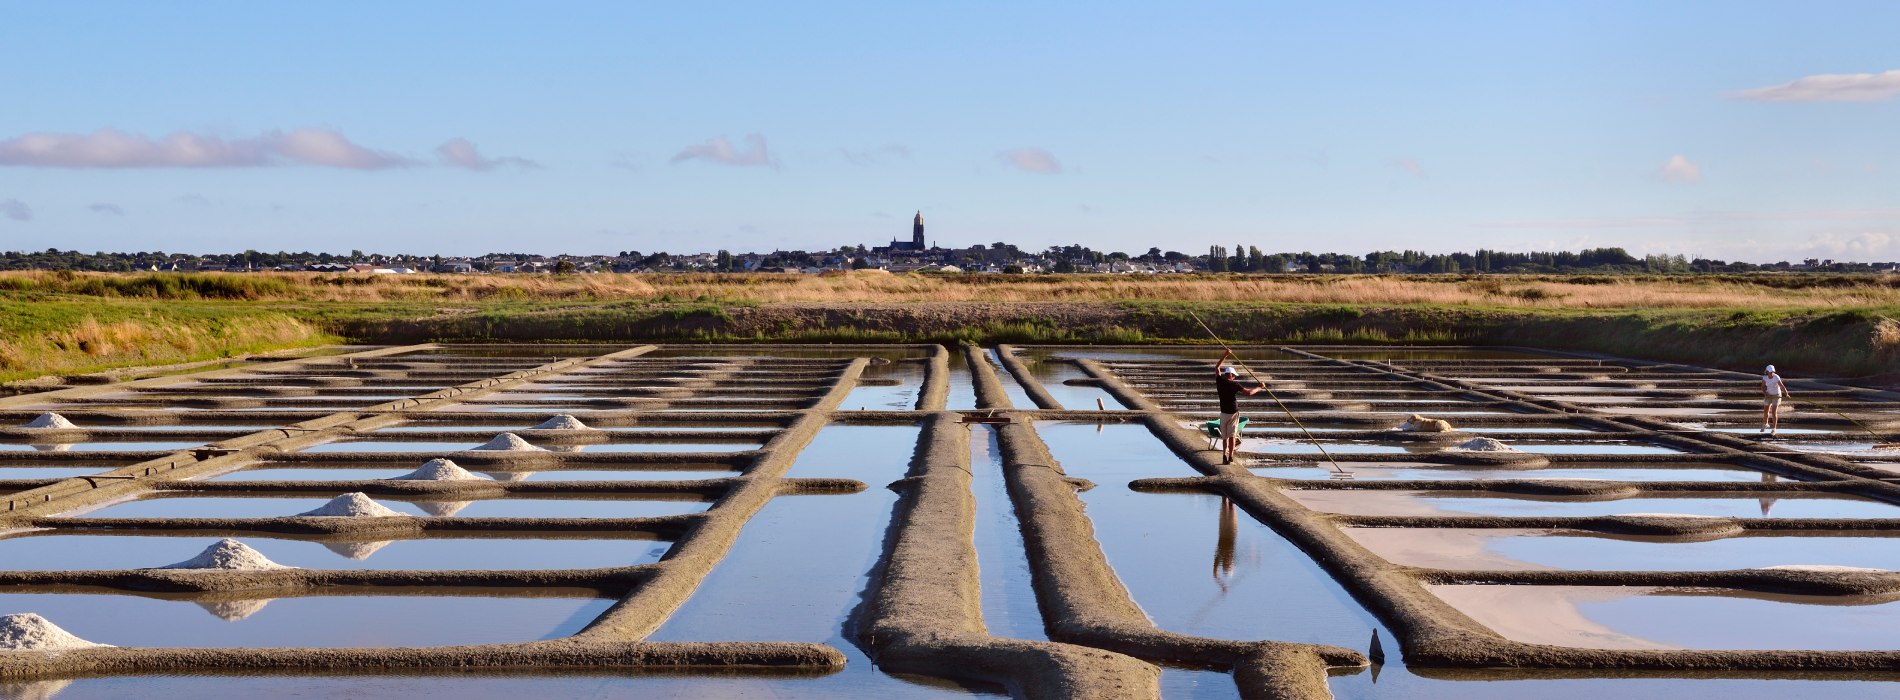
pixel 1740 130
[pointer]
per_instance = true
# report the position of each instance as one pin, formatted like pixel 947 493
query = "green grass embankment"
pixel 42 337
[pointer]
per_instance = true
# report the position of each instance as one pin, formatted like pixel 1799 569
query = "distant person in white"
pixel 1773 390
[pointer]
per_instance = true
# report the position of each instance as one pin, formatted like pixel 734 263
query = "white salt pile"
pixel 50 421
pixel 562 422
pixel 228 555
pixel 352 505
pixel 1484 444
pixel 1421 424
pixel 30 632
pixel 507 442
pixel 439 469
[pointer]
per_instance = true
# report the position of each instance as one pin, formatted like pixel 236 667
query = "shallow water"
pixel 322 621
pixel 319 474
pixel 1682 620
pixel 239 507
pixel 749 597
pixel 128 446
pixel 900 397
pixel 1450 503
pixel 1606 554
pixel 1376 471
pixel 99 552
pixel 1242 581
pixel 1009 596
pixel 51 472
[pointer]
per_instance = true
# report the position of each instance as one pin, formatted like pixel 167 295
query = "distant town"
pixel 916 255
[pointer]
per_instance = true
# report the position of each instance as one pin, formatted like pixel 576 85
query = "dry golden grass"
pixel 1539 292
pixel 90 345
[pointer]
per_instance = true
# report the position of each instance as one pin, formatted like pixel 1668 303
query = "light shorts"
pixel 1771 401
pixel 1229 425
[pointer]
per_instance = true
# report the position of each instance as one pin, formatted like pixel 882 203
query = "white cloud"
pixel 1410 166
pixel 1032 160
pixel 111 148
pixel 1679 169
pixel 720 150
pixel 876 156
pixel 106 208
pixel 1836 87
pixel 461 153
pixel 16 210
pixel 1862 245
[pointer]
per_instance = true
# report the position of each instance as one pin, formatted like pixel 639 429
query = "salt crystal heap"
pixel 229 555
pixel 562 422
pixel 50 421
pixel 352 505
pixel 30 632
pixel 1421 424
pixel 507 442
pixel 439 469
pixel 1483 444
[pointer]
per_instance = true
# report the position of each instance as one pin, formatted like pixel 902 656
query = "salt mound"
pixel 352 505
pixel 1484 444
pixel 510 476
pixel 1421 424
pixel 439 469
pixel 229 555
pixel 562 422
pixel 52 447
pixel 30 632
pixel 507 442
pixel 50 421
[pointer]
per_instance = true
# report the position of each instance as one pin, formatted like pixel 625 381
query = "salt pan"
pixel 1484 444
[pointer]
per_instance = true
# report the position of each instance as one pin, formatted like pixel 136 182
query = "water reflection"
pixel 1224 544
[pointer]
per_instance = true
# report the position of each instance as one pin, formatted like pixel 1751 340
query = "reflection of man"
pixel 1227 383
pixel 1224 544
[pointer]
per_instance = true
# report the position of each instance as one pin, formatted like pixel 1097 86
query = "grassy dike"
pixel 1834 326
pixel 1831 343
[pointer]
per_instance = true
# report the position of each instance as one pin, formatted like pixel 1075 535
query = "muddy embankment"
pixel 1829 344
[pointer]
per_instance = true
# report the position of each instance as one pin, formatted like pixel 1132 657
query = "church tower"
pixel 917 231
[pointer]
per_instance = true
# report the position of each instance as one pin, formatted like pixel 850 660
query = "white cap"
pixel 1770 370
pixel 1228 370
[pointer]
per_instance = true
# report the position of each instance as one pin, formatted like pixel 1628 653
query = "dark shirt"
pixel 1230 389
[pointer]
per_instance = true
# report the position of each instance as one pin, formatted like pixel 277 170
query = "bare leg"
pixel 1774 418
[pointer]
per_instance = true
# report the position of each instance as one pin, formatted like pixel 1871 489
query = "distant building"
pixel 916 242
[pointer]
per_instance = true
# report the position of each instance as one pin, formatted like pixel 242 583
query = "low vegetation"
pixel 66 322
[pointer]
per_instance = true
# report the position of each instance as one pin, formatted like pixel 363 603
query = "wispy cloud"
pixel 106 208
pixel 1863 245
pixel 461 153
pixel 720 150
pixel 876 156
pixel 1714 218
pixel 1833 87
pixel 16 210
pixel 1030 160
pixel 1410 166
pixel 111 148
pixel 1679 169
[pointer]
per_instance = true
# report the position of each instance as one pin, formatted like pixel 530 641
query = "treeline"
pixel 1061 259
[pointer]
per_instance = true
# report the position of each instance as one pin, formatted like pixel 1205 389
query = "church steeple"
pixel 917 230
